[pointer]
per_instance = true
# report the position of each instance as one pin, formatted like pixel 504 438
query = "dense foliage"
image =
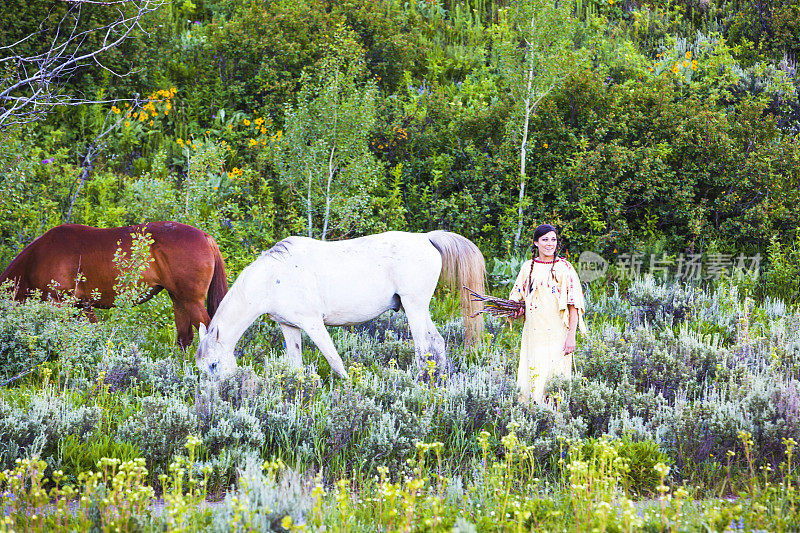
pixel 672 125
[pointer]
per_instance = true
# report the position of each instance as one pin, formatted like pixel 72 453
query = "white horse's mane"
pixel 279 250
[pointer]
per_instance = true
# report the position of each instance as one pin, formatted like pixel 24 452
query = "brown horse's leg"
pixel 89 312
pixel 188 315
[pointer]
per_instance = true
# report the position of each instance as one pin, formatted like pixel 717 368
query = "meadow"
pixel 682 415
pixel 658 129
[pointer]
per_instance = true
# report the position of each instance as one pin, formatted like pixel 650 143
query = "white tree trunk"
pixel 523 151
pixel 308 204
pixel 328 194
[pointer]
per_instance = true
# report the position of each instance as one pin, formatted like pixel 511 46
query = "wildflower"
pixel 259 121
pixel 676 67
pixel 230 126
pixel 151 123
pixel 115 109
pixel 180 141
pixel 650 69
pixel 611 2
pixel 47 161
pixel 689 54
pixel 127 123
pixel 263 131
pixel 685 63
pixel 694 64
pixel 246 122
pixel 545 145
pixel 253 142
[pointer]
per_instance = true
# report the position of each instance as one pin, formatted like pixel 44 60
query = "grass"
pixel 683 415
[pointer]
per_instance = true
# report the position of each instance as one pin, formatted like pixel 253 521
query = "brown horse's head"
pixel 213 356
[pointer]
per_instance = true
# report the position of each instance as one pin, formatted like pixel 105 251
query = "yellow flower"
pixel 151 123
pixel 230 126
pixel 180 141
pixel 263 131
pixel 259 121
pixel 685 64
pixel 689 55
pixel 127 123
pixel 115 109
pixel 694 64
pixel 127 104
pixel 253 142
pixel 246 122
pixel 650 69
pixel 676 68
pixel 611 2
pixel 545 145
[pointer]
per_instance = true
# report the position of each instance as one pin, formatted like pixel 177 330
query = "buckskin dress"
pixel 547 297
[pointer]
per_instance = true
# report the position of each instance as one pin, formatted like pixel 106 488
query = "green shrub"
pixel 34 332
pixel 159 429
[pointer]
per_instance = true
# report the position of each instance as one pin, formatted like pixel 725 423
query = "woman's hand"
pixel 569 344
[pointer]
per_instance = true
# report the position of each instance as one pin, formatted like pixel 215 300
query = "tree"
pixel 35 69
pixel 324 151
pixel 535 50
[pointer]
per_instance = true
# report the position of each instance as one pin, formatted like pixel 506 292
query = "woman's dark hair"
pixel 544 229
pixel 541 230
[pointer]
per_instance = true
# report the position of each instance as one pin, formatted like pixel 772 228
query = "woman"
pixel 554 307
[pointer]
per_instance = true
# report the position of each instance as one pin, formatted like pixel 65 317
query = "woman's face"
pixel 547 244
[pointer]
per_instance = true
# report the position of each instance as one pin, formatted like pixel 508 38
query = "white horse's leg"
pixel 428 342
pixel 319 335
pixel 294 344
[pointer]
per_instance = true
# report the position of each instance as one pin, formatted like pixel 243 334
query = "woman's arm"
pixel 569 344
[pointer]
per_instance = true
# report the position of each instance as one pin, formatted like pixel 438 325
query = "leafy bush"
pixel 35 428
pixel 159 429
pixel 34 332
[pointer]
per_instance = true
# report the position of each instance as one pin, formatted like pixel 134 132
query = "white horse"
pixel 305 284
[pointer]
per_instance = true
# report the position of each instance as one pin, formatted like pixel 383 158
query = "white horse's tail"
pixel 463 265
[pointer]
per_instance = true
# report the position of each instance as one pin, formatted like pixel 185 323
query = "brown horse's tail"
pixel 463 266
pixel 219 281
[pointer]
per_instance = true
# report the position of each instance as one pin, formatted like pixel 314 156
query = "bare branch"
pixel 32 85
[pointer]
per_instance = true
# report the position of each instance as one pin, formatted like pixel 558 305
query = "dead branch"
pixel 32 85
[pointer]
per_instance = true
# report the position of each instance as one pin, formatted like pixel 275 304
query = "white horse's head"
pixel 213 356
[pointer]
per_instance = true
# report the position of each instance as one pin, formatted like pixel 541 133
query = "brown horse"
pixel 186 262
